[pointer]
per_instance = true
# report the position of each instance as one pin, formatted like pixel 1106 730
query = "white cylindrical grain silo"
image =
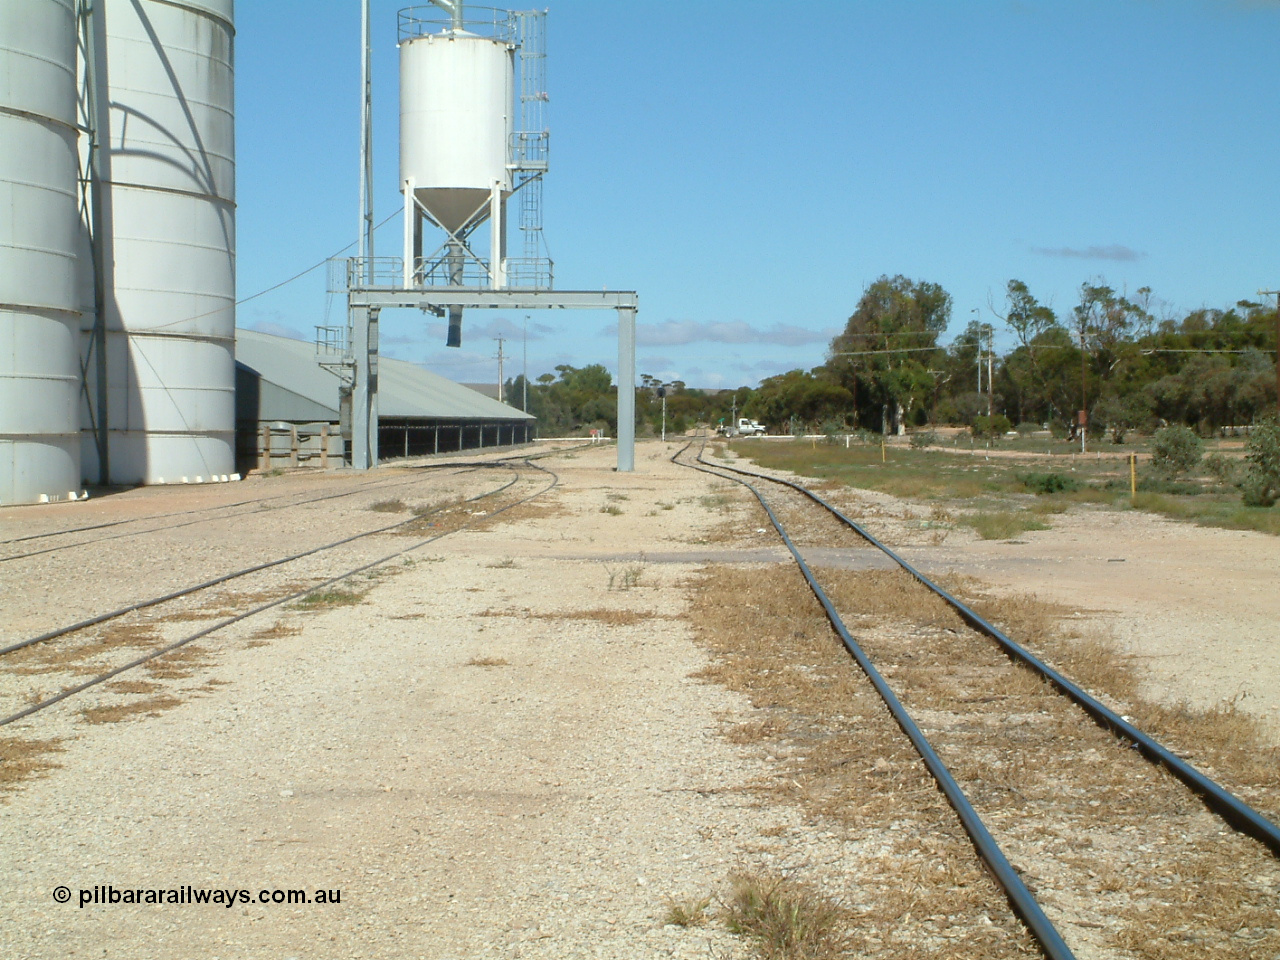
pixel 170 214
pixel 39 227
pixel 456 106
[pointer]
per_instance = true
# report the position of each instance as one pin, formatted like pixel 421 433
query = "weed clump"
pixel 334 597
pixel 689 912
pixel 789 919
pixel 1004 524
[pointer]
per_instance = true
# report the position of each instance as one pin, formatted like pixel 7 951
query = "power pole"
pixel 991 351
pixel 977 322
pixel 501 357
pixel 524 377
pixel 1276 294
pixel 1084 398
pixel 365 254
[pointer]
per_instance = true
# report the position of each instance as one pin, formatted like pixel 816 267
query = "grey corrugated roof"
pixel 298 383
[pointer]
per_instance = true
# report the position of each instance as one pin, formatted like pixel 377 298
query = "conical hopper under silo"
pixel 456 122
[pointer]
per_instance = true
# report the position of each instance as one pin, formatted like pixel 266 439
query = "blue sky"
pixel 749 167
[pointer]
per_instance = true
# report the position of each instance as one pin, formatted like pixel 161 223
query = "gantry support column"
pixel 364 389
pixel 626 389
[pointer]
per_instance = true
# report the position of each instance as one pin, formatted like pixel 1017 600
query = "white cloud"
pixel 1114 251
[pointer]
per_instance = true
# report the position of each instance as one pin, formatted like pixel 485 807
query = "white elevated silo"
pixel 169 210
pixel 457 97
pixel 39 229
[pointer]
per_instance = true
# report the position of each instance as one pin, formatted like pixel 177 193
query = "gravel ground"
pixel 542 807
pixel 498 753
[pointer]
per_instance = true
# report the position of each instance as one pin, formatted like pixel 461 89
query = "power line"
pixel 277 286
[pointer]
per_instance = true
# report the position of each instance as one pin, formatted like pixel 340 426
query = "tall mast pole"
pixel 366 148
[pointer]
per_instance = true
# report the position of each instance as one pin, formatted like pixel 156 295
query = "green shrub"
pixel 993 426
pixel 1175 449
pixel 924 438
pixel 1044 483
pixel 1261 485
pixel 1223 469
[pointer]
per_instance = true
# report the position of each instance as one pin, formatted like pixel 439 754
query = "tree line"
pixel 1109 355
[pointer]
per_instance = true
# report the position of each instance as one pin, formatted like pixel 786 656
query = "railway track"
pixel 32 652
pixel 1039 772
pixel 227 511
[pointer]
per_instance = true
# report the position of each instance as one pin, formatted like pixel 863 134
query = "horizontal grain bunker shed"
pixel 287 408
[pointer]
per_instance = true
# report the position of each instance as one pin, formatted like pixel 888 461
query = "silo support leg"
pixel 626 389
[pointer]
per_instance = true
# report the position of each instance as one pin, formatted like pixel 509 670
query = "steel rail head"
pixel 1020 898
pixel 1217 798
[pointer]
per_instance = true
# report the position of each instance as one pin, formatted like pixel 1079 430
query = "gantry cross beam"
pixel 364 303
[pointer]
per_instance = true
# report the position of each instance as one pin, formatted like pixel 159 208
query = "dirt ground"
pixel 500 752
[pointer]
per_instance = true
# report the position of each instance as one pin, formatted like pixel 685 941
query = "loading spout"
pixel 454 9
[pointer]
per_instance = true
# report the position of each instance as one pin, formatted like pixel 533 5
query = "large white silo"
pixel 39 226
pixel 169 202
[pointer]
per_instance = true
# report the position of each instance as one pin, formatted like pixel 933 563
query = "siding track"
pixel 1042 778
pixel 281 596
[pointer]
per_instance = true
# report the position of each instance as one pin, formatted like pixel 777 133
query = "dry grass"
pixel 686 911
pixel 488 662
pixel 1137 861
pixel 845 762
pixel 181 663
pixel 1224 740
pixel 22 759
pixel 788 919
pixel 132 686
pixel 71 653
pixel 116 713
pixel 615 618
pixel 389 506
pixel 1004 524
pixel 276 631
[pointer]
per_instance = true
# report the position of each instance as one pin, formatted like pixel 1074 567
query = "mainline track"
pixel 274 602
pixel 1231 808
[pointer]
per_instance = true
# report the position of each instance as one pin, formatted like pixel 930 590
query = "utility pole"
pixel 1276 294
pixel 501 357
pixel 366 149
pixel 1084 398
pixel 979 340
pixel 524 377
pixel 991 377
